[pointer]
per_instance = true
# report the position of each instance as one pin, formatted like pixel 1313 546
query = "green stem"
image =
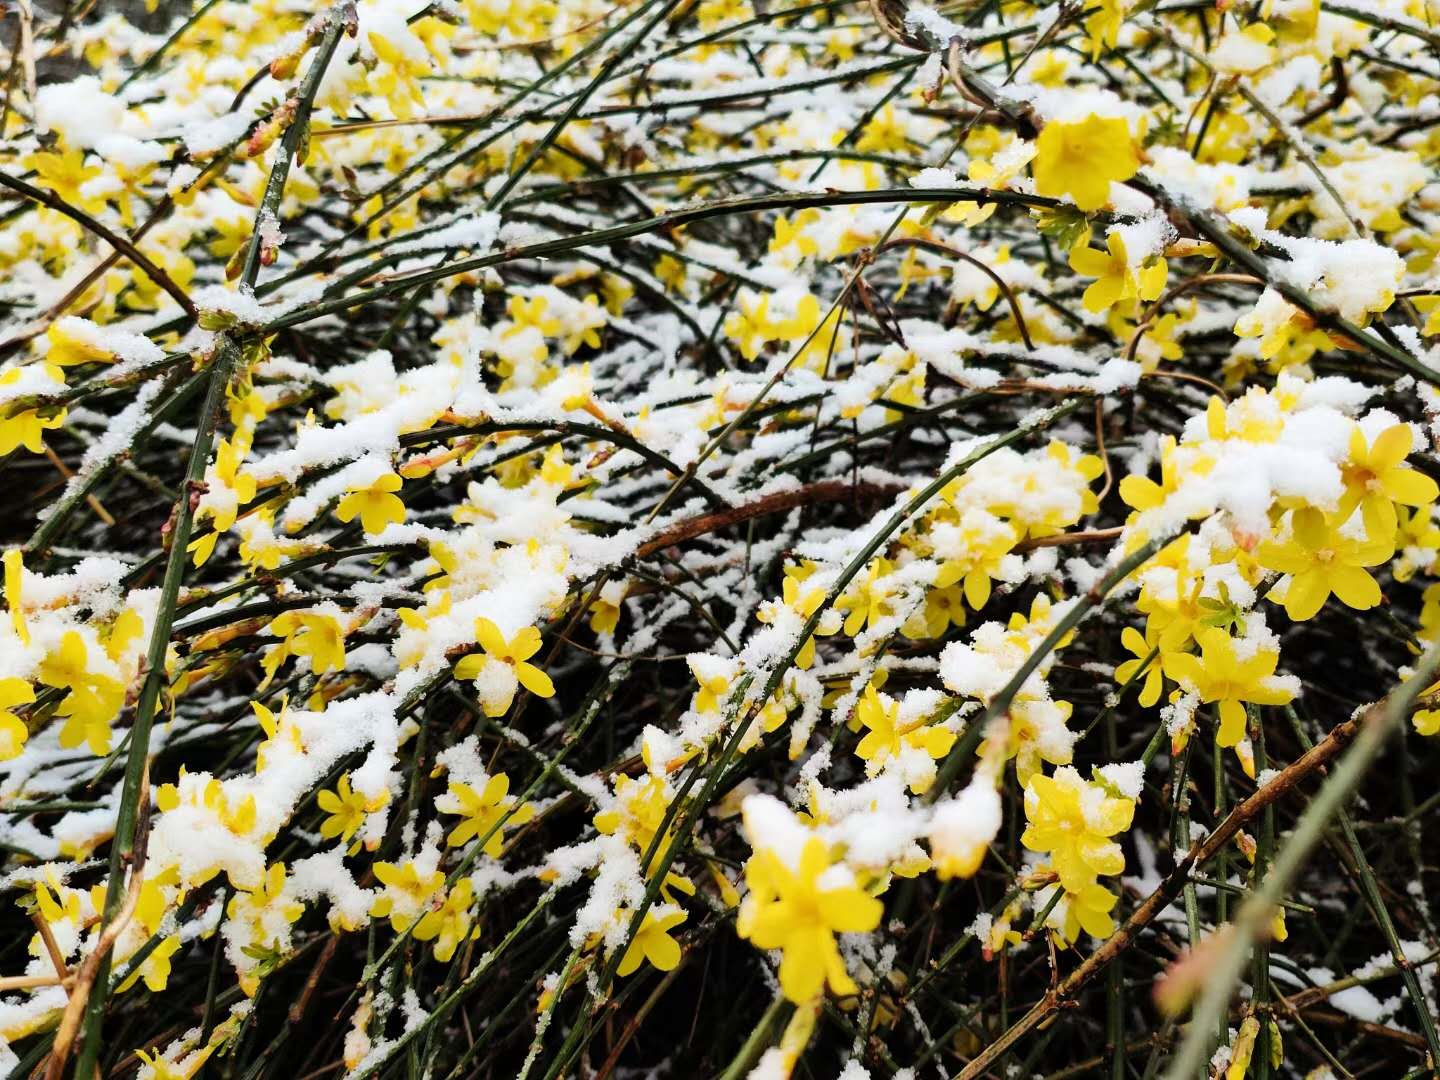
pixel 137 764
pixel 740 1065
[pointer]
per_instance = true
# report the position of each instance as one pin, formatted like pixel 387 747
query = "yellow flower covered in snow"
pixel 27 427
pixel 93 700
pixel 484 811
pixel 408 891
pixel 497 655
pixel 1323 556
pixel 799 908
pixel 1230 673
pixel 887 737
pixel 653 942
pixel 1072 820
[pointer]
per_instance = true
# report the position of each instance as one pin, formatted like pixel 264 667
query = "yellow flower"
pixel 156 968
pixel 888 738
pixel 65 173
pixel 804 604
pixel 527 313
pixel 377 505
pixel 671 272
pixel 1142 493
pixel 1427 721
pixel 347 809
pixel 790 233
pixel 638 810
pixel 1073 820
pixel 1081 158
pixel 1417 539
pixel 152 905
pixel 962 828
pixel 483 811
pixel 160 1069
pixel 406 893
pixel 750 327
pixel 229 488
pixel 398 82
pixel 1220 675
pixel 886 131
pixel 1103 27
pixel 127 626
pixel 27 427
pixel 983 540
pixel 73 341
pixel 943 608
pixel 93 700
pixel 1322 559
pixel 713 676
pixel 1376 479
pixel 867 601
pixel 1117 279
pixel 991 167
pixel 1141 647
pixel 653 942
pixel 584 327
pixel 239 819
pixel 451 922
pixel 251 905
pixel 13 731
pixel 636 815
pixel 276 729
pixel 514 653
pixel 1086 909
pixel 799 910
pixel 309 633
pixel 605 610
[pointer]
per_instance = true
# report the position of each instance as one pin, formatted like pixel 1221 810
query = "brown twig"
pixel 90 500
pixel 89 969
pixel 114 239
pixel 1339 90
pixel 1086 536
pixel 1178 291
pixel 28 982
pixel 297 1010
pixel 1185 376
pixel 953 252
pixel 1100 447
pixel 52 947
pixel 820 492
pixel 635 1021
pixel 1332 1018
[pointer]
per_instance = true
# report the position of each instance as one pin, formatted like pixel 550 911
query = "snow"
pixel 971 819
pixel 923 17
pixel 79 111
pixel 207 136
pixel 1128 777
